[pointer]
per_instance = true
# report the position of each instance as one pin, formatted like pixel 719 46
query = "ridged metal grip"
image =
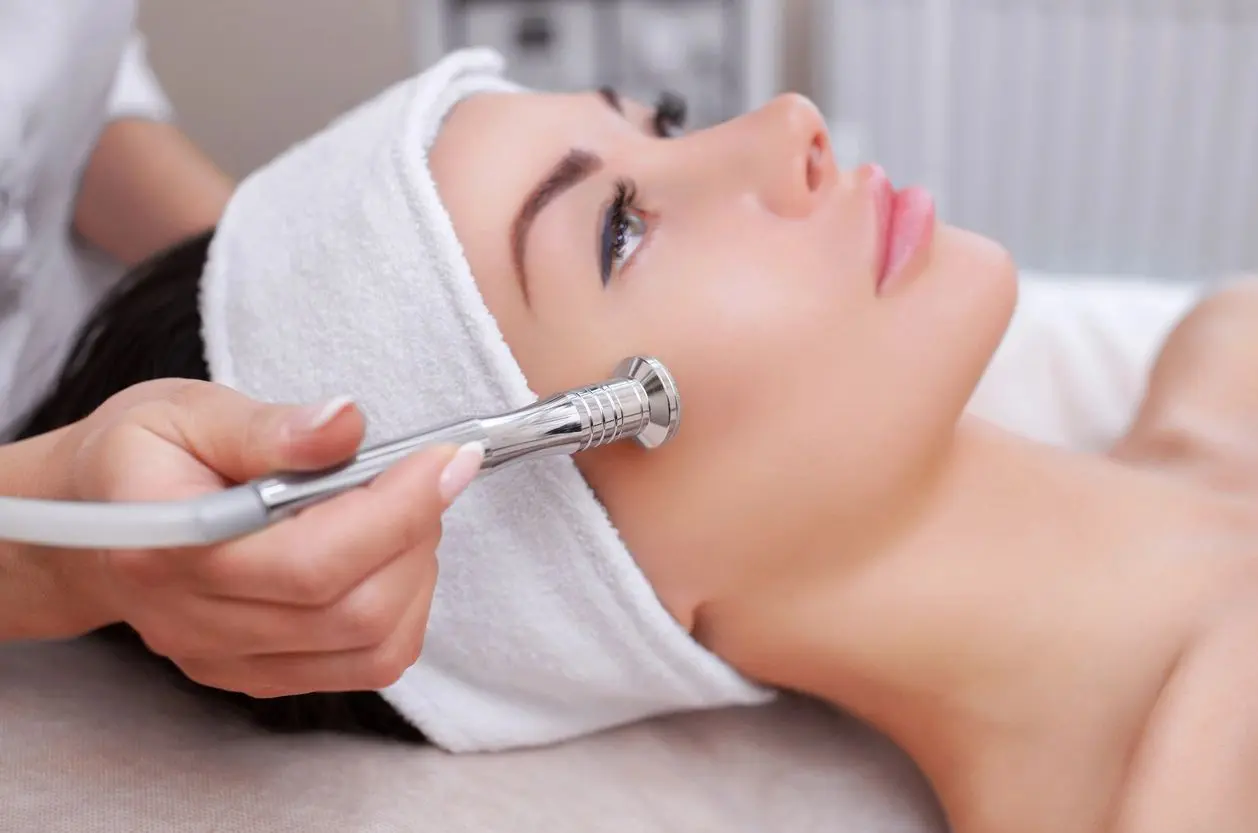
pixel 640 403
pixel 612 411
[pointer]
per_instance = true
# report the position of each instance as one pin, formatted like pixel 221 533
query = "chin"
pixel 999 272
pixel 977 276
pixel 965 299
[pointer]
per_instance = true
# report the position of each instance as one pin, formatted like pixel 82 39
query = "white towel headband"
pixel 336 270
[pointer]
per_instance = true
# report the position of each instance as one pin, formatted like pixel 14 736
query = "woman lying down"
pixel 1062 641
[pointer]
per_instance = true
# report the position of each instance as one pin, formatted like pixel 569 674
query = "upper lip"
pixel 883 196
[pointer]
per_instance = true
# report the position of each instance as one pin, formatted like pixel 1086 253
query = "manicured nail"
pixel 460 471
pixel 311 418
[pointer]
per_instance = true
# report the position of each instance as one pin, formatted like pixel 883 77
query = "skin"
pixel 335 598
pixel 722 315
pixel 1055 638
pixel 146 187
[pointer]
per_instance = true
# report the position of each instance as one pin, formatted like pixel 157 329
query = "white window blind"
pixel 1112 136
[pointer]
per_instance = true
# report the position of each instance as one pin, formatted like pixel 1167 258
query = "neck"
pixel 925 631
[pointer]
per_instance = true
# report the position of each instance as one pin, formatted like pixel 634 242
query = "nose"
pixel 791 160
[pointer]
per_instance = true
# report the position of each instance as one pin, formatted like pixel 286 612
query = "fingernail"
pixel 460 471
pixel 313 417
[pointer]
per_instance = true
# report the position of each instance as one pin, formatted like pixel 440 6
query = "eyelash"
pixel 668 120
pixel 616 226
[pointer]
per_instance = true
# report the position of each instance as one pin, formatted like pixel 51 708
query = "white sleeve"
pixel 136 92
pixel 1075 363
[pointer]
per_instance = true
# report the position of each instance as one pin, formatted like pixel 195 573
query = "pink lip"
pixel 905 227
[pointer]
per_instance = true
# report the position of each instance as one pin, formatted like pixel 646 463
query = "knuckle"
pixel 388 662
pixel 164 642
pixel 310 581
pixel 424 531
pixel 157 414
pixel 144 411
pixel 365 618
pixel 422 569
pixel 202 673
pixel 386 665
pixel 185 392
pixel 412 648
pixel 427 583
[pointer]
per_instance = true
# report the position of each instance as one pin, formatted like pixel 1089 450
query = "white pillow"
pixel 1073 367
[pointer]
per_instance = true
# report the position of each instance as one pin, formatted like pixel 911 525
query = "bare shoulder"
pixel 1196 767
pixel 1202 396
pixel 1218 337
pixel 1223 325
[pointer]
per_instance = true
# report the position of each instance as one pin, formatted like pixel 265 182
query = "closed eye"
pixel 670 115
pixel 667 121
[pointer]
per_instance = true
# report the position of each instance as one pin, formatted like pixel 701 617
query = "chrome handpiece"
pixel 640 402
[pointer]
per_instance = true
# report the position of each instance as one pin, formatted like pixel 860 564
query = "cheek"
pixel 720 287
pixel 747 311
pixel 816 373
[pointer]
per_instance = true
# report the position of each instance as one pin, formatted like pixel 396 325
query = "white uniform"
pixel 67 68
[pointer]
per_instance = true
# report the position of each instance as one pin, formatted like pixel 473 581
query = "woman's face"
pixel 748 263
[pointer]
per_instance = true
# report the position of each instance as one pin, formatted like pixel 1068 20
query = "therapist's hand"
pixel 333 599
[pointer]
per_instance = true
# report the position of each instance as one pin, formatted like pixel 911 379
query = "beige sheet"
pixel 92 744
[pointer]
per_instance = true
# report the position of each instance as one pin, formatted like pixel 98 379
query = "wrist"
pixel 42 588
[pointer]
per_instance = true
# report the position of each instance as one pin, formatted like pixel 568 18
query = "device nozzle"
pixel 663 411
pixel 640 402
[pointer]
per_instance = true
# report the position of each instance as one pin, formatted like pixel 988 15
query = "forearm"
pixel 34 599
pixel 147 187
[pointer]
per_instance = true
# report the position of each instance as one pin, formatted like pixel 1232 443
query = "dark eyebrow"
pixel 568 172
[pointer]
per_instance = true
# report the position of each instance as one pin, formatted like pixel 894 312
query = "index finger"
pixel 319 555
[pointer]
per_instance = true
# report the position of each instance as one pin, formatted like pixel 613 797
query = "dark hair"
pixel 149 327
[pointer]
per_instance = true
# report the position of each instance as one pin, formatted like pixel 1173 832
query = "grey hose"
pixel 205 520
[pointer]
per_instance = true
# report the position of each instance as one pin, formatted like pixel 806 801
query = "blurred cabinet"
pixel 724 56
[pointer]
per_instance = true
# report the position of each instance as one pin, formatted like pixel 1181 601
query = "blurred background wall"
pixel 251 76
pixel 248 77
pixel 1089 136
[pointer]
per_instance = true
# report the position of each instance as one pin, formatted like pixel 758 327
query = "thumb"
pixel 241 438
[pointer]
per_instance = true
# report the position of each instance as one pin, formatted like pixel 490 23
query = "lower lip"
pixel 906 223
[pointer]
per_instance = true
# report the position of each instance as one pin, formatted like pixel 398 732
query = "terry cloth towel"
pixel 336 271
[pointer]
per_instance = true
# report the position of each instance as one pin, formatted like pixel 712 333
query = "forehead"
pixel 496 145
pixel 492 150
pixel 494 120
pixel 501 144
